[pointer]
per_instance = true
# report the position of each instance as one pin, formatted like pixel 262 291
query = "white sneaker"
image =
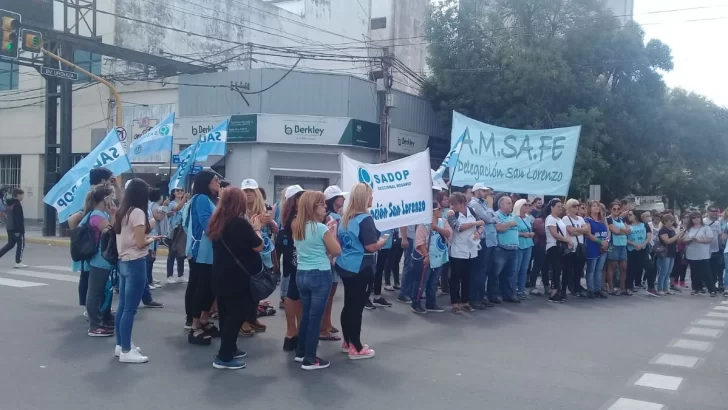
pixel 133 356
pixel 152 286
pixel 171 280
pixel 156 281
pixel 117 349
pixel 20 266
pixel 182 279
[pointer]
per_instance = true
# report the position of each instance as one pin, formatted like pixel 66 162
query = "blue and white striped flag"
pixel 213 145
pixel 450 161
pixel 154 142
pixel 68 195
pixel 186 162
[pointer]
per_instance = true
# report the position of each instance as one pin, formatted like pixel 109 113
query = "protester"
pixel 617 254
pixel 485 270
pixel 525 245
pixel 293 307
pixel 574 261
pixel 463 251
pixel 132 240
pixel 334 207
pixel 597 243
pixel 174 216
pixel 505 257
pixel 539 266
pixel 558 245
pixel 358 236
pixel 697 239
pixel 236 244
pixel 315 243
pixel 158 222
pixel 665 252
pixel 443 200
pixel 716 253
pixel 638 239
pixel 15 227
pixel 431 245
pixel 199 296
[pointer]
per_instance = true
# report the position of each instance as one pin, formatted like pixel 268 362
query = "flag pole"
pixel 455 168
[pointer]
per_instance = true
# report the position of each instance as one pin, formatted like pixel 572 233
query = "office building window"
pixel 10 170
pixel 88 61
pixel 8 76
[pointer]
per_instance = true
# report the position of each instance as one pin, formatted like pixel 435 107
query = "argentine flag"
pixel 213 145
pixel 68 195
pixel 186 162
pixel 450 161
pixel 156 141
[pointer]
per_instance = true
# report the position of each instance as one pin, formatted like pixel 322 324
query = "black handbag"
pixel 262 284
pixel 563 246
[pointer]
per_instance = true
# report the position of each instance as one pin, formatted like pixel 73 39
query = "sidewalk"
pixel 34 234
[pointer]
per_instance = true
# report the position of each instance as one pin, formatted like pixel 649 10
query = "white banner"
pixel 402 189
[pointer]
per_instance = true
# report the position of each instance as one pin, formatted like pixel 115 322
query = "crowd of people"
pixel 480 248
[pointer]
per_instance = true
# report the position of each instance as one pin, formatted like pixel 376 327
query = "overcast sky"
pixel 697 39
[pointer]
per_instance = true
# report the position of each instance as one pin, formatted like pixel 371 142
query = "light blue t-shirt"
pixel 312 250
pixel 509 238
pixel 524 226
pixel 638 235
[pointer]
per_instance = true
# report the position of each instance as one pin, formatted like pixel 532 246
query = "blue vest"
pixel 352 250
pixel 438 246
pixel 199 249
pixel 266 255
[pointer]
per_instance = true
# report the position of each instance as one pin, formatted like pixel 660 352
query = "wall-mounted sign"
pixel 406 142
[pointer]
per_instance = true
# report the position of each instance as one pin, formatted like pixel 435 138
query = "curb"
pixel 63 242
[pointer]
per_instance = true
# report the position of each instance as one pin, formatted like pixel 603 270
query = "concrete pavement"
pixel 576 356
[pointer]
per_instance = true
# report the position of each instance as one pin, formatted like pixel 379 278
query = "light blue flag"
pixel 450 161
pixel 186 162
pixel 213 145
pixel 153 142
pixel 68 195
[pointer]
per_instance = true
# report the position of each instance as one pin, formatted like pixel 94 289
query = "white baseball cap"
pixel 292 190
pixel 126 185
pixel 480 186
pixel 249 184
pixel 333 191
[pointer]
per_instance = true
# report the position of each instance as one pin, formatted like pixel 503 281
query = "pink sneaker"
pixel 364 353
pixel 345 347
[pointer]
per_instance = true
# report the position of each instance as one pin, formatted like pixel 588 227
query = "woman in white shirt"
pixel 463 251
pixel 558 244
pixel 575 260
pixel 697 240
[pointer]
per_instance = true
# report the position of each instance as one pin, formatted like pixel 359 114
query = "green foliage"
pixel 555 63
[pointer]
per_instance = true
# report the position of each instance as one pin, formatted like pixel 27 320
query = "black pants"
pixel 171 258
pixel 95 297
pixel 460 280
pixel 198 296
pixel 392 266
pixel 445 278
pixel 716 268
pixel 651 270
pixel 573 267
pixel 539 267
pixel 555 266
pixel 83 285
pixel 382 259
pixel 700 275
pixel 232 310
pixel 151 257
pixel 355 298
pixel 17 240
pixel 635 266
pixel 680 269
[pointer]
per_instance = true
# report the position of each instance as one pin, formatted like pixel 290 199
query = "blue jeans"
pixel 490 276
pixel 479 274
pixel 429 288
pixel 523 260
pixel 664 268
pixel 411 271
pixel 594 272
pixel 725 271
pixel 132 281
pixel 504 268
pixel 314 287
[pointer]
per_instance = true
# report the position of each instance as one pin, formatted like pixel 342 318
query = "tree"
pixel 554 63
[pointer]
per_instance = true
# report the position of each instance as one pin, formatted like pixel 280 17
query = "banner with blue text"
pixel 402 189
pixel 521 161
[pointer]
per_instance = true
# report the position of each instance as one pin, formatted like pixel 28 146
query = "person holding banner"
pixel 464 248
pixel 358 237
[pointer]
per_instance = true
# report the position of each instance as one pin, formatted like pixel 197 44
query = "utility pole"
pixel 51 144
pixel 385 102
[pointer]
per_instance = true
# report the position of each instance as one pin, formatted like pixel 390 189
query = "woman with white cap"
pixel 334 207
pixel 285 241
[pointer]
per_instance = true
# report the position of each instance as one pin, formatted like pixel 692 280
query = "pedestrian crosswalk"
pixel 43 275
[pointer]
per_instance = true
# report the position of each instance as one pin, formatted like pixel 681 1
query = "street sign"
pixel 175 159
pixel 54 72
pixel 196 169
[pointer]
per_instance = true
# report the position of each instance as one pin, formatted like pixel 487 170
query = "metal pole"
pixel 51 147
pixel 384 118
pixel 66 138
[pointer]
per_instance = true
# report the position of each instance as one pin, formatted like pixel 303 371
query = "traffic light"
pixel 32 41
pixel 10 23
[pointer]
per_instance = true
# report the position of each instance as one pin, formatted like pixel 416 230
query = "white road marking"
pixel 698 345
pixel 710 322
pixel 703 331
pixel 41 275
pixel 718 314
pixel 57 268
pixel 629 404
pixel 676 360
pixel 659 381
pixel 724 308
pixel 724 303
pixel 19 283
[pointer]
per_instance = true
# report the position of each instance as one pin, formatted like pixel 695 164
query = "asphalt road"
pixel 580 355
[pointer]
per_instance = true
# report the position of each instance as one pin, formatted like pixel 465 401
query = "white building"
pixel 236 34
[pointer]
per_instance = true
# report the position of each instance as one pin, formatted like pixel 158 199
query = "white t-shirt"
pixel 125 243
pixel 576 222
pixel 552 221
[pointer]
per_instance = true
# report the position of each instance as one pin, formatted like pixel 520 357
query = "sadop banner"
pixel 523 161
pixel 186 161
pixel 68 195
pixel 402 189
pixel 156 144
pixel 213 145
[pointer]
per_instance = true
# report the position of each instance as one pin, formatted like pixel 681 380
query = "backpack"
pixel 107 244
pixel 83 245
